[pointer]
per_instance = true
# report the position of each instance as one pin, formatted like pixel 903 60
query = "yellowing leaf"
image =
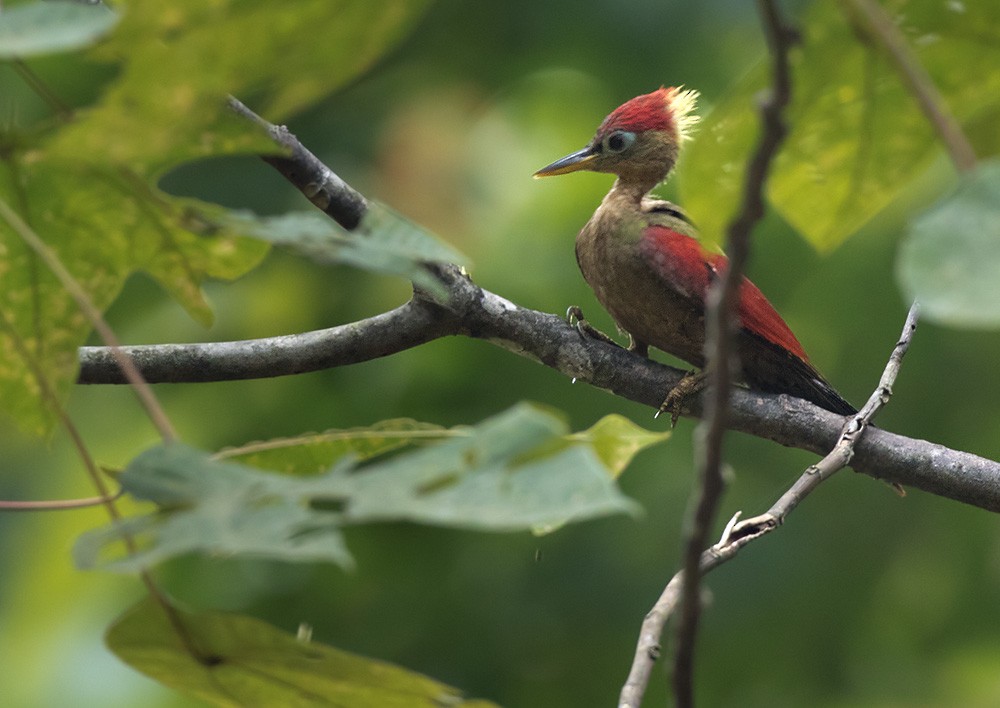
pixel 246 662
pixel 86 185
pixel 102 231
pixel 617 440
pixel 181 59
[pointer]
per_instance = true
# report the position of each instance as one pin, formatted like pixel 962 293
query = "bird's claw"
pixel 575 318
pixel 692 383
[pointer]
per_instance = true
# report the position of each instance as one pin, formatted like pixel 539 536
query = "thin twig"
pixel 36 84
pixel 738 534
pixel 873 21
pixel 58 504
pixel 320 185
pixel 719 346
pixel 138 385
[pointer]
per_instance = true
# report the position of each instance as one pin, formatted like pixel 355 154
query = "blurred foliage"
pixel 38 29
pixel 384 242
pixel 950 261
pixel 248 662
pixel 515 471
pixel 84 179
pixel 857 136
pixel 877 601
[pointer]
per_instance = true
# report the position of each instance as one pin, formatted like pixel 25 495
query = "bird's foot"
pixel 692 383
pixel 574 316
pixel 637 347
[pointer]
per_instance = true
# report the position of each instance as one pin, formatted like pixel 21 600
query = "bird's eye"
pixel 618 141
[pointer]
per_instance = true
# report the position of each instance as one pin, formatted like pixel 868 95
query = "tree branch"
pixel 477 313
pixel 548 339
pixel 320 185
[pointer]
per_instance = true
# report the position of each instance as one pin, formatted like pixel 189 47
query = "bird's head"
pixel 638 141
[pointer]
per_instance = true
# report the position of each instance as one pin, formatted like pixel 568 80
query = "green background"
pixel 862 599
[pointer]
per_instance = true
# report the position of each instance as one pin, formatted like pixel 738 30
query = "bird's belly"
pixel 644 306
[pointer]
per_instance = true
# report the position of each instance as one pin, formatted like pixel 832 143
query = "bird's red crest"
pixel 667 109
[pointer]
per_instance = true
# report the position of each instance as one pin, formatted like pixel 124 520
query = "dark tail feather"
pixel 824 395
pixel 783 372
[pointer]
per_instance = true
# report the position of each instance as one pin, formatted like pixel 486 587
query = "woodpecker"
pixel 644 262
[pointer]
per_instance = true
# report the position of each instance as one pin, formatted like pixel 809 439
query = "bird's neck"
pixel 630 191
pixel 619 219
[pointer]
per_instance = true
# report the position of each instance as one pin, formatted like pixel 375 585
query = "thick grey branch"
pixel 409 325
pixel 477 313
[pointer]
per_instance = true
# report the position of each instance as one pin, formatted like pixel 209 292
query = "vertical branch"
pixel 720 346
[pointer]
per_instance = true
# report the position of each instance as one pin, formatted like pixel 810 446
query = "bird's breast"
pixel 633 291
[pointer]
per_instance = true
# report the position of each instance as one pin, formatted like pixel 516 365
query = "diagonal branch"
pixel 320 185
pixel 738 534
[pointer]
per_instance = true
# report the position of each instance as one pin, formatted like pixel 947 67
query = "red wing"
pixel 682 262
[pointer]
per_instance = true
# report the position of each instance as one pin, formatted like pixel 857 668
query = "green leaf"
pixel 384 242
pixel 511 472
pixel 87 185
pixel 950 260
pixel 249 662
pixel 182 59
pixel 617 440
pixel 103 226
pixel 213 508
pixel 857 136
pixel 50 27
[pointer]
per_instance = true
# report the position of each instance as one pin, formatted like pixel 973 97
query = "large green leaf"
pixel 87 185
pixel 179 61
pixel 857 136
pixel 246 662
pixel 50 27
pixel 512 472
pixel 950 260
pixel 103 226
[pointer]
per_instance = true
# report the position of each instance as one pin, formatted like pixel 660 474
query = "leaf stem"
pixel 875 24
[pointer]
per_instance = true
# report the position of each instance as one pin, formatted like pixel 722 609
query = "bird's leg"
pixel 574 316
pixel 640 348
pixel 692 383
